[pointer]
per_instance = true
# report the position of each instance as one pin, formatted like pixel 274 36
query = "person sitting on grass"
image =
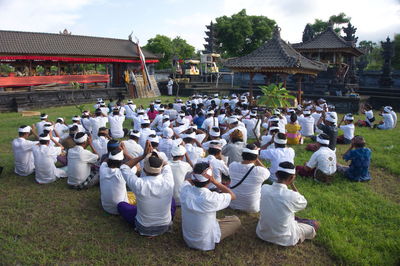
pixel 360 158
pixel 293 130
pixel 45 157
pixel 201 229
pixel 348 129
pixel 22 148
pixel 388 122
pixel 80 162
pixel 278 223
pixel 100 143
pixel 322 164
pixel 116 120
pixel 327 124
pixel 246 180
pixel 132 144
pixel 369 117
pixel 307 124
pixel 152 216
pixel 179 169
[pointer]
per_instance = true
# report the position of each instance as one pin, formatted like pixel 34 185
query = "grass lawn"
pixel 48 224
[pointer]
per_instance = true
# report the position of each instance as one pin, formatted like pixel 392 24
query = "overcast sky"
pixel 375 19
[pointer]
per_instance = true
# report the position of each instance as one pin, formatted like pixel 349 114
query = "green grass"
pixel 48 224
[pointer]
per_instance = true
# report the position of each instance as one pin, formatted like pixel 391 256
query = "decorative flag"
pixel 146 76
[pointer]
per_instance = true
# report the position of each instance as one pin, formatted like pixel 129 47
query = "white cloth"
pixel 23 156
pixel 153 196
pixel 242 129
pixel 172 113
pixel 179 170
pixel 348 131
pixel 388 122
pixel 218 168
pixel 277 208
pixel 210 122
pixel 45 158
pixel 276 156
pixel 169 86
pixel 144 134
pixel 307 126
pixel 166 145
pixel 97 122
pixel 62 130
pixel 323 159
pixel 100 145
pixel 206 144
pixel 199 224
pixel 394 115
pixel 112 188
pixel 194 152
pixel 133 148
pixel 248 193
pixel 79 163
pixel 265 140
pixel 40 126
pixel 130 111
pixel 368 116
pixel 116 125
pixel 250 125
pixel 104 110
pixel 87 125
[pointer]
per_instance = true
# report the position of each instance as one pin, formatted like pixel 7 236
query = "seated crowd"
pixel 203 156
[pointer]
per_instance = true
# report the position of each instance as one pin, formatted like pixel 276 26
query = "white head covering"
pixel 273 128
pixel 26 129
pixel 48 128
pixel 200 177
pixel 153 139
pixel 287 170
pixel 144 121
pixel 349 117
pixel 168 132
pixel 276 112
pixel 331 118
pixel 43 116
pixel 232 120
pixel 191 135
pixel 387 109
pixel 133 133
pixel 322 141
pixel 279 141
pixel 60 118
pixel 210 112
pixel 318 109
pixel 214 133
pixel 306 112
pixel 246 150
pixel 81 139
pixel 178 150
pixel 117 157
pixel 76 118
pixel 217 146
pixel 47 137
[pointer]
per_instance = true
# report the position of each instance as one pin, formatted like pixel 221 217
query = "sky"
pixel 374 19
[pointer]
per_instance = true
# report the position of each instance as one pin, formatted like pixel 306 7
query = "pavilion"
pixel 276 57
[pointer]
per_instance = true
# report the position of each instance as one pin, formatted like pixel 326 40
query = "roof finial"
pixel 277 32
pixel 65 32
pixel 330 24
pixel 130 36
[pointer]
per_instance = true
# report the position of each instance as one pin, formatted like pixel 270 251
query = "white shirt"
pixel 133 148
pixel 228 133
pixel 206 145
pixel 265 140
pixel 100 145
pixel 80 127
pixel 153 196
pixel 116 128
pixel 40 126
pixel 179 170
pixel 44 158
pixel 323 159
pixel 23 156
pixel 248 193
pixel 130 111
pixel 218 168
pixel 79 163
pixel 157 122
pixel 348 131
pixel 112 188
pixel 210 122
pixel 194 152
pixel 144 133
pixel 277 208
pixel 172 113
pixel 104 110
pixel 87 125
pixel 166 145
pixel 250 125
pixel 62 130
pixel 97 122
pixel 199 223
pixel 388 122
pixel 307 125
pixel 394 115
pixel 277 156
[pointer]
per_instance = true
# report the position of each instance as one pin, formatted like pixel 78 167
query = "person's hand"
pixel 122 146
pixel 89 139
pixel 209 177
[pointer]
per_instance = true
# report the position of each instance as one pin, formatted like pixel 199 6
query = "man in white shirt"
pixel 61 128
pixel 281 153
pixel 210 121
pixel 233 124
pixel 193 147
pixel 170 85
pixel 322 164
pixel 152 216
pixel 99 120
pixel 179 169
pixel 45 157
pixel 145 131
pixel 104 109
pixel 218 166
pixel 86 123
pixel 167 143
pixel 22 149
pixel 201 230
pixel 116 121
pixel 131 145
pixel 80 162
pixel 39 125
pixel 157 123
pixel 348 129
pixel 246 180
pixel 76 121
pixel 100 144
pixel 278 206
pixel 394 115
pixel 307 124
pixel 250 124
pixel 388 122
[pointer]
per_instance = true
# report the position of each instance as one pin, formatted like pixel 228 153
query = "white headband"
pixel 48 128
pixel 214 133
pixel 202 178
pixel 26 129
pixel 168 132
pixel 387 109
pixel 44 117
pixel 154 139
pixel 306 112
pixel 215 146
pixel 191 135
pixel 47 137
pixel 246 150
pixel 322 141
pixel 76 118
pixel 274 119
pixel 280 141
pixel 273 128
pixel 178 151
pixel 81 139
pixel 60 118
pixel 136 134
pixel 117 157
pixel 287 170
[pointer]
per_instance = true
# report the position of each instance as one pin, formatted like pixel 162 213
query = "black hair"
pixel 21 134
pixel 59 121
pixel 44 142
pixel 280 135
pixel 170 105
pixel 213 151
pixel 324 137
pixel 249 156
pixel 73 129
pixel 283 175
pixel 111 145
pixel 154 161
pixel 293 117
pixel 359 144
pixel 114 163
pixel 199 169
pixel 78 136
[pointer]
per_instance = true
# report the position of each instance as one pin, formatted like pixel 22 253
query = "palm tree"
pixel 275 96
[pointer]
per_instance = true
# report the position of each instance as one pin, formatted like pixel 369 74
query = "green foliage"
pixel 396 58
pixel 372 55
pixel 241 34
pixel 5 69
pixel 275 96
pixel 320 25
pixel 167 48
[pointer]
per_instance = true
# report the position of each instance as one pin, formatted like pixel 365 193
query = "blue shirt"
pixel 360 160
pixel 198 121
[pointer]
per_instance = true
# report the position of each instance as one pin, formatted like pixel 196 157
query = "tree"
pixel 320 25
pixel 372 55
pixel 241 34
pixel 275 96
pixel 396 58
pixel 166 48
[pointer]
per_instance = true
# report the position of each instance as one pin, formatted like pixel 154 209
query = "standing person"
pixel 278 223
pixel 180 169
pixel 152 216
pixel 22 149
pixel 80 161
pixel 360 158
pixel 293 130
pixel 116 121
pixel 201 229
pixel 348 129
pixel 45 157
pixel 170 85
pixel 281 153
pixel 322 164
pixel 246 180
